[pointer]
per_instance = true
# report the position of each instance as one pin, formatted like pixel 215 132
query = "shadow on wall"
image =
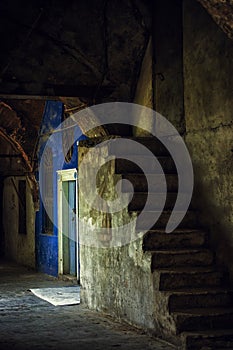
pixel 215 218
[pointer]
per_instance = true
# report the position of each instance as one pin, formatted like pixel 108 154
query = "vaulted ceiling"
pixel 90 51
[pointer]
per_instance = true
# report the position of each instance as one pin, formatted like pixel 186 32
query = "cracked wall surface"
pixel 195 94
pixel 115 272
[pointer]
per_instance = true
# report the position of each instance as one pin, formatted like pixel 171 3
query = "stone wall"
pixel 19 247
pixel 208 87
pixel 191 84
pixel 115 273
pixel 192 87
pixel 168 61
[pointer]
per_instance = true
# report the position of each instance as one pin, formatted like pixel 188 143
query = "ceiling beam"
pixel 52 91
pixel 27 97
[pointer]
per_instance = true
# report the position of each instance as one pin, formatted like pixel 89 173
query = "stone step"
pixel 154 201
pixel 158 239
pixel 146 163
pixel 189 221
pixel 209 340
pixel 139 182
pixel 183 278
pixel 203 319
pixel 218 297
pixel 151 143
pixel 177 258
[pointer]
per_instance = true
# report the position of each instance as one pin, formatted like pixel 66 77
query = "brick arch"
pixel 13 159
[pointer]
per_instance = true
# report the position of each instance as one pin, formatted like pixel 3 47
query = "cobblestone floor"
pixel 27 322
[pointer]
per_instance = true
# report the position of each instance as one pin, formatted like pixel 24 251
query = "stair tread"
pixel 146 193
pixel 209 333
pixel 142 138
pixel 151 139
pixel 146 156
pixel 180 251
pixel 164 211
pixel 143 175
pixel 191 269
pixel 137 192
pixel 178 231
pixel 208 311
pixel 197 291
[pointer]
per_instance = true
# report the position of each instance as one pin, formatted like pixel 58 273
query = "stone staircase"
pixel 197 291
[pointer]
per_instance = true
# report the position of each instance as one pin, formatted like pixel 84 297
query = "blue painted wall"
pixel 47 244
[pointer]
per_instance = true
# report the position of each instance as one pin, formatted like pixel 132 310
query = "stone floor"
pixel 27 322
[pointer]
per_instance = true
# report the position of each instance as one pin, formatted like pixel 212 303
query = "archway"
pixel 17 187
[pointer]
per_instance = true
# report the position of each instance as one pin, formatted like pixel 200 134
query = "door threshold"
pixel 69 278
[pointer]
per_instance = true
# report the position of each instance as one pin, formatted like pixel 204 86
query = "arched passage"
pixel 17 189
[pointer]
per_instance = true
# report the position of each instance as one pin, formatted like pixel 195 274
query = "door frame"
pixel 66 175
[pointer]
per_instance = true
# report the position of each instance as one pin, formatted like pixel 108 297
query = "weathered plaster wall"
pixel 95 214
pixel 195 95
pixel 18 247
pixel 208 87
pixel 118 281
pixel 115 279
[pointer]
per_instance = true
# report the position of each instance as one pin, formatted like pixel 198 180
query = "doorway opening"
pixel 68 232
